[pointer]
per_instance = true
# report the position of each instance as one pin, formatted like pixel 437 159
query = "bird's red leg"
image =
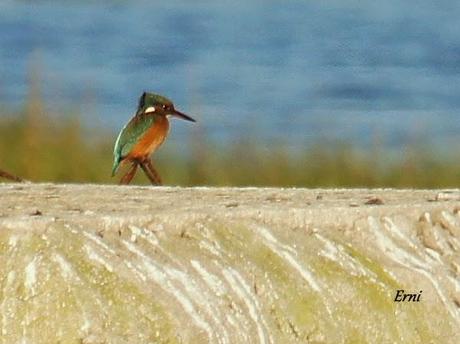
pixel 149 173
pixel 130 174
pixel 154 171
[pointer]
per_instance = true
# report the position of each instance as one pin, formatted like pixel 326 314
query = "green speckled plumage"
pixel 136 127
pixel 129 136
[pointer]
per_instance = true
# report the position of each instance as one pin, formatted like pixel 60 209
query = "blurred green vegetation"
pixel 41 146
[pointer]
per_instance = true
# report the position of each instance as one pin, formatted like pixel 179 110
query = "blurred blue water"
pixel 290 71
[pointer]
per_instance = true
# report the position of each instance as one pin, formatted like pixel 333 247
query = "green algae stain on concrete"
pixel 373 266
pixel 56 283
pixel 297 309
pixel 86 287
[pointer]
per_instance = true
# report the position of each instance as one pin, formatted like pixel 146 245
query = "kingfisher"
pixel 142 136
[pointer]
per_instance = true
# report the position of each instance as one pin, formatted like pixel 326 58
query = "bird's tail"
pixel 116 163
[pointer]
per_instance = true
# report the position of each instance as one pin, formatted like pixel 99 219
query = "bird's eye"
pixel 165 107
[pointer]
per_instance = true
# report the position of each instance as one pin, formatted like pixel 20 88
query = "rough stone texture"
pixel 109 264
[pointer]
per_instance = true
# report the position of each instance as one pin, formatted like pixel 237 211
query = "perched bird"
pixel 143 134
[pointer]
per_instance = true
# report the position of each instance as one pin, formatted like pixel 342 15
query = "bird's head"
pixel 151 103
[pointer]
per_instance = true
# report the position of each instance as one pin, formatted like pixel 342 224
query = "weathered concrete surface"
pixel 109 264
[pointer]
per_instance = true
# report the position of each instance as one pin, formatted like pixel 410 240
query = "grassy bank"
pixel 42 146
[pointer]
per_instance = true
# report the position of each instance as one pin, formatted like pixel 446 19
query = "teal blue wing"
pixel 129 136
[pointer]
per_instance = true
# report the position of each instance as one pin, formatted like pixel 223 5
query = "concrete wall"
pixel 109 264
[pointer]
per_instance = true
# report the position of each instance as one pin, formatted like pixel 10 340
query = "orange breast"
pixel 151 140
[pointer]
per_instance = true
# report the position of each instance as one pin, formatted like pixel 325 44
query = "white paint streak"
pixel 65 266
pixel 399 255
pixel 86 325
pixel 96 239
pixel 286 253
pixel 270 238
pixel 30 273
pixel 106 249
pixel 12 241
pixel 71 276
pixel 136 271
pixel 392 228
pixel 454 224
pixel 337 253
pixel 92 255
pixel 386 244
pixel 144 234
pixel 243 291
pixel 212 281
pixel 201 296
pixel 160 277
pixel 237 319
pixel 433 255
pixel 10 278
pixel 208 247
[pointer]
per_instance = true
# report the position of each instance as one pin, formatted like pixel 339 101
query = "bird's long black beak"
pixel 182 115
